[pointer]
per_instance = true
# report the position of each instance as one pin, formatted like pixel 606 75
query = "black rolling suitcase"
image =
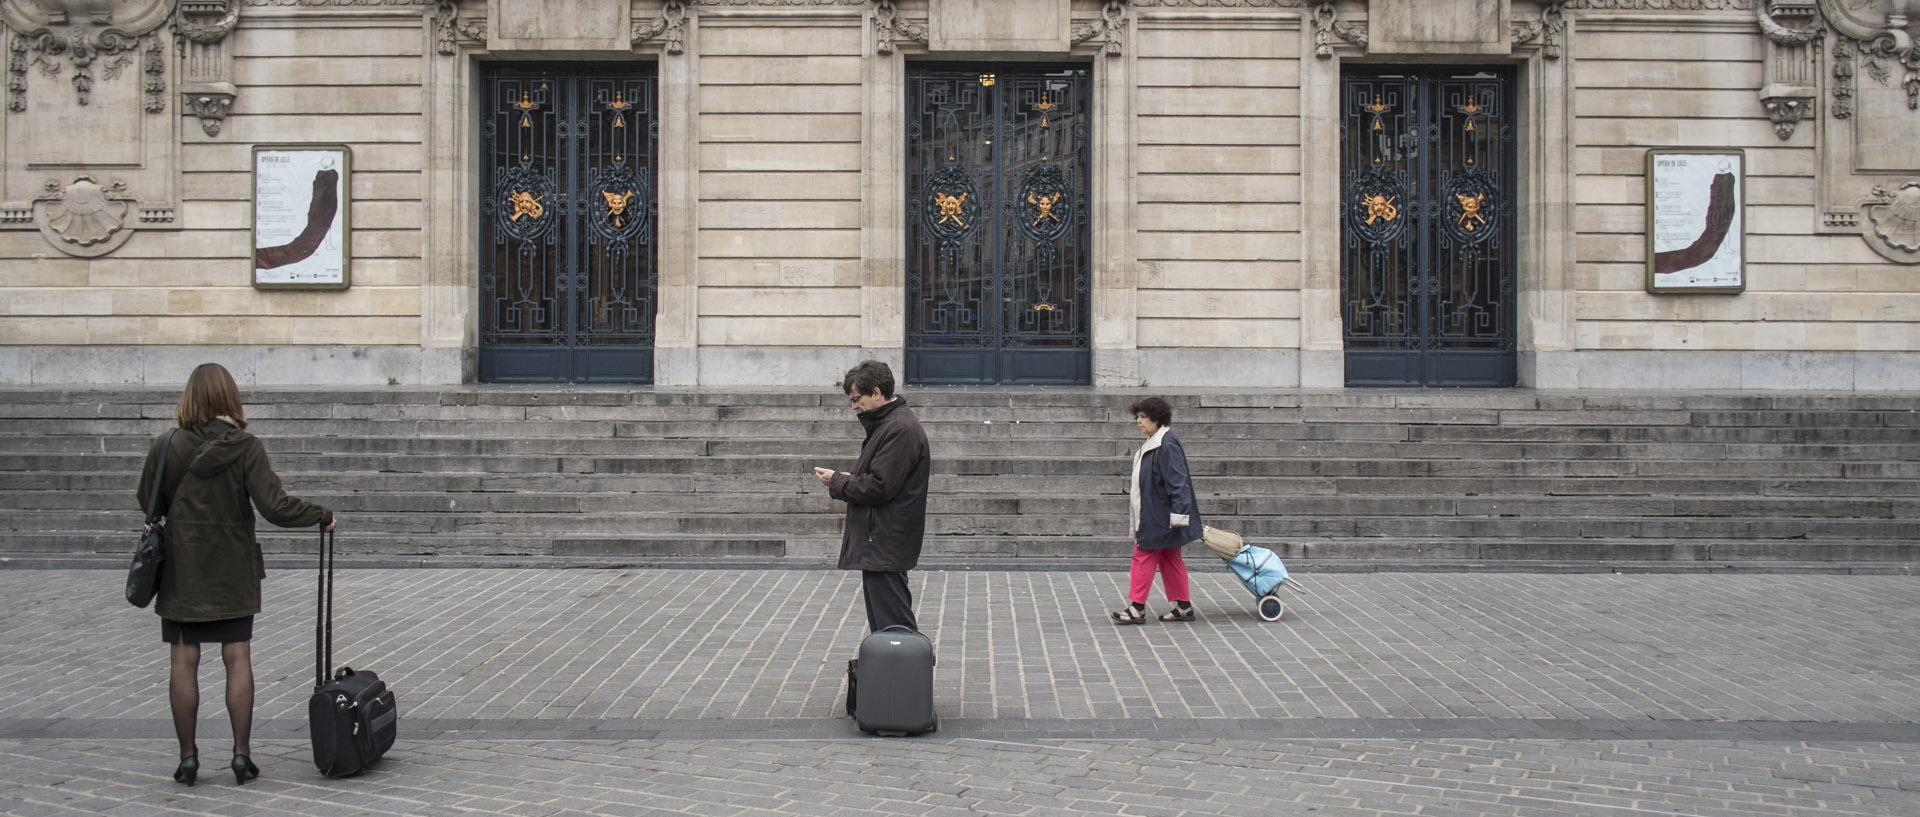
pixel 890 686
pixel 352 715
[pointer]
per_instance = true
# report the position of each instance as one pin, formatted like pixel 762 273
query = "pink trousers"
pixel 1173 575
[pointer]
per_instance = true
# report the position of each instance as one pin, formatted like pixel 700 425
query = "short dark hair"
pixel 869 375
pixel 1155 409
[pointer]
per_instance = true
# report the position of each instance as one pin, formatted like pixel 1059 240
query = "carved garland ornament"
pixel 450 30
pixel 1109 30
pixel 889 27
pixel 670 27
pixel 1326 26
pixel 47 35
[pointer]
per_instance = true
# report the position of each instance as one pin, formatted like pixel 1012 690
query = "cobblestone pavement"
pixel 719 692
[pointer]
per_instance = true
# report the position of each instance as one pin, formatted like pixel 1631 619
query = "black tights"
pixel 183 694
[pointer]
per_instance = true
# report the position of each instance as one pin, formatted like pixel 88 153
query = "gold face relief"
pixel 617 205
pixel 950 208
pixel 1381 208
pixel 1470 210
pixel 1045 203
pixel 525 204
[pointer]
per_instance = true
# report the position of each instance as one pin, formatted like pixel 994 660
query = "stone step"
pixel 829 523
pixel 1198 449
pixel 105 549
pixel 618 474
pixel 128 433
pixel 120 483
pixel 1217 506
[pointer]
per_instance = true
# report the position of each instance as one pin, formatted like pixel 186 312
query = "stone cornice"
pixel 1661 5
pixel 407 3
pixel 1252 4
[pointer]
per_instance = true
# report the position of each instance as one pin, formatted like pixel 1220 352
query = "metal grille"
pixel 998 224
pixel 1427 226
pixel 567 222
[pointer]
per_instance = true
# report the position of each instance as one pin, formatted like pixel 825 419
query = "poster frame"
pixel 343 158
pixel 1737 159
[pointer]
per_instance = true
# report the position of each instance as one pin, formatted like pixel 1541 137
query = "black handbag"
pixel 143 576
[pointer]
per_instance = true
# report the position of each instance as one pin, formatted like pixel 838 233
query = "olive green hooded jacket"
pixel 214 566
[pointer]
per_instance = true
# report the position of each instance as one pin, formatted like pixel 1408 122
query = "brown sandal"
pixel 1182 612
pixel 1129 615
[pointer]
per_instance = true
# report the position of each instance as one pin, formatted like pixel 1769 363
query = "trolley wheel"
pixel 1271 608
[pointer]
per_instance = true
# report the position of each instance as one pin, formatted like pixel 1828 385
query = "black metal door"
pixel 568 260
pixel 998 249
pixel 1426 269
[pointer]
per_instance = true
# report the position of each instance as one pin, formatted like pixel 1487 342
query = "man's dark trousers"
pixel 889 601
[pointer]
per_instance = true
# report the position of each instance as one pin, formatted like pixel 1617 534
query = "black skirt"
pixel 224 631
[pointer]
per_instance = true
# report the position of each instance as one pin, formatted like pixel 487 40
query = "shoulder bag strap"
pixel 173 485
pixel 159 476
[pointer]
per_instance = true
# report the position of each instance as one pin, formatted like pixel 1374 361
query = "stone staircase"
pixel 1410 479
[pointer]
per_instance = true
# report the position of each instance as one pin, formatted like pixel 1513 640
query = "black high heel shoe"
pixel 243 768
pixel 188 771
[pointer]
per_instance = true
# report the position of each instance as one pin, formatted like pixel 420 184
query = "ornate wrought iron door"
pixel 568 270
pixel 998 215
pixel 1427 205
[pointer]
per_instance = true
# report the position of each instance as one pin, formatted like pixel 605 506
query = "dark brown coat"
pixel 214 567
pixel 886 493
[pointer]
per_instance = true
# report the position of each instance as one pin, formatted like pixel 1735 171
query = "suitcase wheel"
pixel 1272 608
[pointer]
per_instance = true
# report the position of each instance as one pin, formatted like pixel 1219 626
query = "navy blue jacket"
pixel 1166 487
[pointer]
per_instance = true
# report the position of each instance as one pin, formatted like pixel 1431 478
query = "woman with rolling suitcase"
pixel 215 476
pixel 1163 513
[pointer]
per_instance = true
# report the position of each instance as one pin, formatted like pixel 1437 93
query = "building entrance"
pixel 568 260
pixel 1427 226
pixel 999 261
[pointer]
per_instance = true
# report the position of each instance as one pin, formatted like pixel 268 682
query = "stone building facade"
pixel 1163 193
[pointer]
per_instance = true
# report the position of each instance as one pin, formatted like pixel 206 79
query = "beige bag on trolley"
pixel 1226 543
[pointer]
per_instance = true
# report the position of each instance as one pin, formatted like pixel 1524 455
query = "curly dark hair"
pixel 1154 408
pixel 869 375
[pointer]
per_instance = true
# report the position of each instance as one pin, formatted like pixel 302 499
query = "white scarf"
pixel 1133 500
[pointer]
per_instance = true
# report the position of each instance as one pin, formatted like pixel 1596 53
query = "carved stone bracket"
pixel 1550 30
pixel 450 30
pixel 1794 36
pixel 1327 25
pixel 1891 224
pixel 889 28
pixel 1109 30
pixel 670 27
pixel 207 91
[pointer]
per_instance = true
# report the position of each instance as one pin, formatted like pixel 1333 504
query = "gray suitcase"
pixel 895 670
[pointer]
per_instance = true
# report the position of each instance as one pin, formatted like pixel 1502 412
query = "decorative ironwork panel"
pixel 567 222
pixel 1427 226
pixel 999 225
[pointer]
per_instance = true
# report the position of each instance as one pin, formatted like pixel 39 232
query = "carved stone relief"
pixel 1892 225
pixel 52 37
pixel 1869 151
pixel 1109 30
pixel 84 217
pixel 451 30
pixel 889 28
pixel 87 89
pixel 670 27
pixel 1327 25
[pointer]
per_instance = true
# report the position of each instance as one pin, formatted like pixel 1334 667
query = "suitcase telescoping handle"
pixel 323 621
